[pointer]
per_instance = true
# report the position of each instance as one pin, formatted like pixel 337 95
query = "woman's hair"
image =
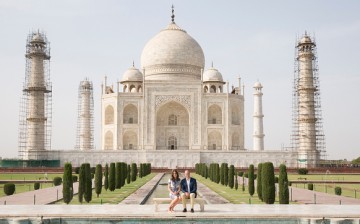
pixel 177 178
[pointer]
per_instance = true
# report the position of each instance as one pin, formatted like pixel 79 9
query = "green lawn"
pixel 114 197
pixel 234 196
pixel 28 176
pixel 348 190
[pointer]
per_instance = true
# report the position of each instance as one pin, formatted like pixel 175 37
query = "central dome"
pixel 172 55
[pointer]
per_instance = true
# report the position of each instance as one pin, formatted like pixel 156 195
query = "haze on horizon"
pixel 254 40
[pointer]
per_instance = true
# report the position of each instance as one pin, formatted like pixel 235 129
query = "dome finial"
pixel 133 64
pixel 172 13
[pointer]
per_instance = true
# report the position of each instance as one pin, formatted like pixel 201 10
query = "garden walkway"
pixel 304 196
pixel 39 197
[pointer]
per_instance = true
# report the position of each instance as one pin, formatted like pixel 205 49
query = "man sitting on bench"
pixel 188 190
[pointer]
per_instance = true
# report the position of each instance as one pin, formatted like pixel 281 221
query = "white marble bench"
pixel 158 201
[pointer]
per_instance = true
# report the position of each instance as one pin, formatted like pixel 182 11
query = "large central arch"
pixel 172 127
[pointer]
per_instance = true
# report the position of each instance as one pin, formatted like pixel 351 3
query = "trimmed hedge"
pixel 241 173
pixel 251 180
pixel 88 183
pixel 231 176
pixel 74 178
pixel 57 181
pixel 258 182
pixel 338 190
pixel 133 172
pixel 268 183
pixel 310 187
pixel 106 174
pixel 98 179
pixel 81 186
pixel 118 175
pixel 236 182
pixel 303 171
pixel 9 188
pixel 112 177
pixel 68 183
pixel 128 177
pixel 283 185
pixel 36 186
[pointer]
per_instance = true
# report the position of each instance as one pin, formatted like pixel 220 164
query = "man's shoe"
pixel 192 210
pixel 184 210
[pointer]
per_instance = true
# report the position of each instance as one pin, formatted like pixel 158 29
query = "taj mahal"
pixel 173 112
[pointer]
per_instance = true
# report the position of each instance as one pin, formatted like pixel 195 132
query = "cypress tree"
pixel 258 182
pixel 283 186
pixel 82 180
pixel 206 172
pixel 133 172
pixel 106 180
pixel 222 173
pixel 67 183
pixel 236 181
pixel 268 183
pixel 123 174
pixel 141 170
pixel 98 179
pixel 118 175
pixel 226 175
pixel 88 183
pixel 231 176
pixel 128 179
pixel 112 177
pixel 251 180
pixel 218 173
pixel 243 183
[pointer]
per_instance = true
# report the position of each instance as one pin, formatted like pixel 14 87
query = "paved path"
pixel 42 196
pixel 305 196
pixel 210 196
pixel 141 194
pixel 216 212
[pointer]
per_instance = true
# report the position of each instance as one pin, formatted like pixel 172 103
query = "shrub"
pixel 243 183
pixel 141 170
pixel 9 188
pixel 123 173
pixel 92 176
pixel 98 179
pixel 258 182
pixel 251 180
pixel 88 183
pixel 222 173
pixel 231 176
pixel 81 186
pixel 112 177
pixel 338 190
pixel 74 178
pixel 276 179
pixel 57 181
pixel 268 183
pixel 93 170
pixel 255 176
pixel 310 187
pixel 241 173
pixel 77 170
pixel 283 185
pixel 106 180
pixel 303 171
pixel 133 172
pixel 36 186
pixel 68 183
pixel 246 174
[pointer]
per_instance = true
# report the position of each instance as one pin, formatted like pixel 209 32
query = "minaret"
pixel 85 138
pixel 306 91
pixel 35 109
pixel 258 136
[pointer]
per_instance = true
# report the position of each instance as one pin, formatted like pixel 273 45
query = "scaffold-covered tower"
pixel 36 101
pixel 307 136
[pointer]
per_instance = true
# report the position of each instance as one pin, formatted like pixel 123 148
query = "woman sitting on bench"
pixel 174 189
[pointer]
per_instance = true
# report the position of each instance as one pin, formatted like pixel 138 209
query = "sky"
pixel 251 39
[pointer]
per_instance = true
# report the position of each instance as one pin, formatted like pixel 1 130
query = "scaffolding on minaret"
pixel 35 114
pixel 296 112
pixel 85 122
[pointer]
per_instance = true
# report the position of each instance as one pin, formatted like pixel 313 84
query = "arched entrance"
pixel 172 127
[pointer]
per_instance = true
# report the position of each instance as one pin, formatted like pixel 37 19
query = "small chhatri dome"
pixel 37 37
pixel 132 75
pixel 257 85
pixel 212 75
pixel 172 54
